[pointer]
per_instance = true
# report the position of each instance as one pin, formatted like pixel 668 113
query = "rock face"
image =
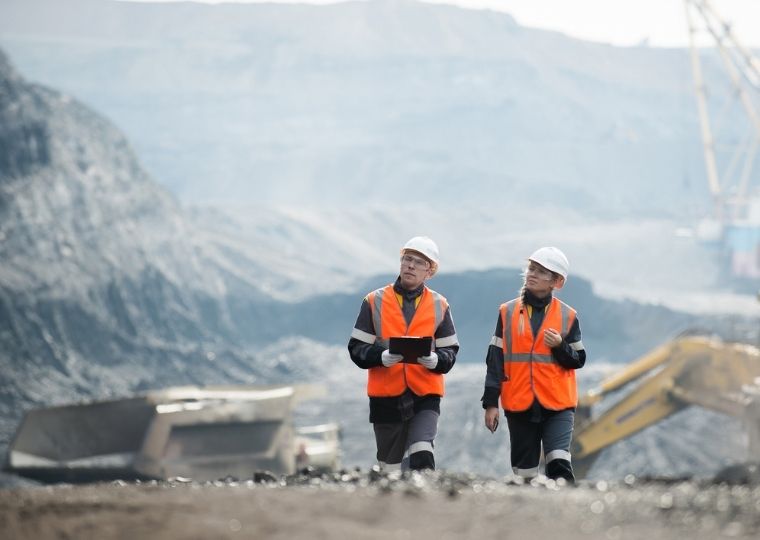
pixel 77 203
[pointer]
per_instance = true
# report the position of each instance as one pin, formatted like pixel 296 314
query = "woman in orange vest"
pixel 531 365
pixel 405 398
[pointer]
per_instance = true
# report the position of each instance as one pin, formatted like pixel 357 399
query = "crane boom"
pixel 732 176
pixel 708 144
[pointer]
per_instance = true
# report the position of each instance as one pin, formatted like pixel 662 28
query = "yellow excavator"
pixel 721 376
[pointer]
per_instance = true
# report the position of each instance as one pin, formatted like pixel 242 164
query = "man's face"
pixel 415 269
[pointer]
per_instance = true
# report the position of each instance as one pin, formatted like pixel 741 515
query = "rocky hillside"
pixel 102 288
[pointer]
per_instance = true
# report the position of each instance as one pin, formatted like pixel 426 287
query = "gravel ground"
pixel 368 505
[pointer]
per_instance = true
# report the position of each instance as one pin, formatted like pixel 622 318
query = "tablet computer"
pixel 411 347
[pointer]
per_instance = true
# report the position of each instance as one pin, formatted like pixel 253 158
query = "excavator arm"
pixel 688 371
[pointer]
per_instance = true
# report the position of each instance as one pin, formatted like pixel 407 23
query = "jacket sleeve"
pixel 570 354
pixel 362 346
pixel 446 343
pixel 494 369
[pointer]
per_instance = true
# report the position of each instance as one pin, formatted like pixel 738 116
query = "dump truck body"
pixel 199 433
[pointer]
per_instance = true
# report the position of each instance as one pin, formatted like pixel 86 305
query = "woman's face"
pixel 539 280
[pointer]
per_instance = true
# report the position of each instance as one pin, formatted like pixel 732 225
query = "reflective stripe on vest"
pixel 389 321
pixel 529 367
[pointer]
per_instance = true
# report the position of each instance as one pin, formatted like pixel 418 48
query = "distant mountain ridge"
pixel 374 121
pixel 271 103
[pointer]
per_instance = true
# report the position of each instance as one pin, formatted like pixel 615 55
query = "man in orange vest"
pixel 405 398
pixel 531 365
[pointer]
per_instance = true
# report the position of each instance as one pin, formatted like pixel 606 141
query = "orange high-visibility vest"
pixel 529 368
pixel 389 322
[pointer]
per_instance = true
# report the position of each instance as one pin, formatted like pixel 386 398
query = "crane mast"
pixel 730 167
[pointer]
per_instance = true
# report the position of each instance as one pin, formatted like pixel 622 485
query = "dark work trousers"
pixel 530 429
pixel 407 445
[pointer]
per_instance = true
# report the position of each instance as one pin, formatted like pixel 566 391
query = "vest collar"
pixel 534 301
pixel 408 295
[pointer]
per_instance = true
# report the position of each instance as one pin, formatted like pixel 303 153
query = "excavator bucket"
pixel 199 433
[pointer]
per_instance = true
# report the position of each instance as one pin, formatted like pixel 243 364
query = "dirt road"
pixel 356 506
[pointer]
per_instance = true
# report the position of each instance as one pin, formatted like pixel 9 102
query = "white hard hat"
pixel 552 259
pixel 425 246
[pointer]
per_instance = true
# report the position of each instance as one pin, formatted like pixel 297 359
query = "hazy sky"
pixel 620 22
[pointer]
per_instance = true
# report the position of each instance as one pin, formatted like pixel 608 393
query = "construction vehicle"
pixel 196 433
pixel 688 371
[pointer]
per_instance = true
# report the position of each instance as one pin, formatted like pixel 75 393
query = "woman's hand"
pixel 492 418
pixel 552 338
